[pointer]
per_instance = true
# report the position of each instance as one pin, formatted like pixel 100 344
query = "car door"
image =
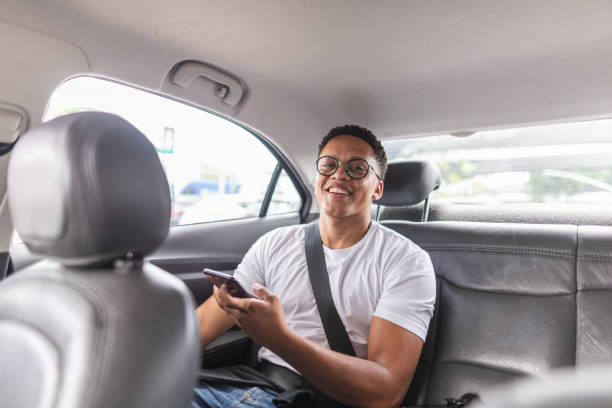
pixel 217 245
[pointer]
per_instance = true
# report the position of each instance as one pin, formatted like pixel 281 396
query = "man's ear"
pixel 378 191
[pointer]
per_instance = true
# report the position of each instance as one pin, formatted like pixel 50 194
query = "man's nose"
pixel 341 172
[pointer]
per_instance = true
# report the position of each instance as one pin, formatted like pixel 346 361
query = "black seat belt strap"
pixel 335 331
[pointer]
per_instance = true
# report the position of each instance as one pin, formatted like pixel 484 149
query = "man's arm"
pixel 213 321
pixel 379 381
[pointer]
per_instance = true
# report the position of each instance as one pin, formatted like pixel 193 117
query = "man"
pixel 382 284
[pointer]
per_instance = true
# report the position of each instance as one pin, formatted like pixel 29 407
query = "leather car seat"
pixel 408 183
pixel 93 325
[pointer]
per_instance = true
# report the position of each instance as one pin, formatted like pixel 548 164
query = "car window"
pixel 562 163
pixel 285 198
pixel 216 169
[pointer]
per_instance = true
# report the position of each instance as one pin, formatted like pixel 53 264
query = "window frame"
pixel 282 162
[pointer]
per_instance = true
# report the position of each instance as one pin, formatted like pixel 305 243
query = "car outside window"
pixel 216 169
pixel 562 163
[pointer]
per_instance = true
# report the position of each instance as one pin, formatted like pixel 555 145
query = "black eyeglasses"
pixel 355 168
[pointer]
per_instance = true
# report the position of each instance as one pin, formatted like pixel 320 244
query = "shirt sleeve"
pixel 251 268
pixel 409 293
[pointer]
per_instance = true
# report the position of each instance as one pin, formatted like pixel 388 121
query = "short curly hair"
pixel 364 134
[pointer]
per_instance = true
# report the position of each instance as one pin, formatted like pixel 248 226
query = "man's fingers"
pixel 240 320
pixel 236 316
pixel 217 296
pixel 222 297
pixel 238 304
pixel 227 302
pixel 262 292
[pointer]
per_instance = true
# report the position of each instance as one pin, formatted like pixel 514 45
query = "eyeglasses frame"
pixel 342 163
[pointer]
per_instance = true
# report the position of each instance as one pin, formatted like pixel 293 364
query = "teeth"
pixel 338 191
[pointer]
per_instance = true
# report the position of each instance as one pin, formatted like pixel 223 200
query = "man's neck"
pixel 340 233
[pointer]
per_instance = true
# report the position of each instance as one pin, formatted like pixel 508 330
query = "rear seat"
pixel 513 300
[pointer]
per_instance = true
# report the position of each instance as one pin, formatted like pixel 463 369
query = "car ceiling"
pixel 398 67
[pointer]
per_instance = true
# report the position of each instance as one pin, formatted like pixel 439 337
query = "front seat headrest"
pixel 88 188
pixel 409 182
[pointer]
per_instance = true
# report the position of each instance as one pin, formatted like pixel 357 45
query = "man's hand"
pixel 261 319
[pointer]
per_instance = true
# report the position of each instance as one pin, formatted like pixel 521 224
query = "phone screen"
pixel 233 286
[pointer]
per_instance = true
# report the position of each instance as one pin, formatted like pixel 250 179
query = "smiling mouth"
pixel 336 190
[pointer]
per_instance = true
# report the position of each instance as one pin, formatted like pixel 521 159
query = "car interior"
pixel 143 141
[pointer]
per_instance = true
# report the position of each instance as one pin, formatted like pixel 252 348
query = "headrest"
pixel 409 182
pixel 88 188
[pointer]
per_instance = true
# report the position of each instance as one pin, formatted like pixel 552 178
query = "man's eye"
pixel 356 168
pixel 329 166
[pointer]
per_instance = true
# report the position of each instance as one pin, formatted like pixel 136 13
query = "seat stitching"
pixel 575 348
pixel 595 290
pixel 482 365
pixel 498 249
pixel 500 292
pixel 596 257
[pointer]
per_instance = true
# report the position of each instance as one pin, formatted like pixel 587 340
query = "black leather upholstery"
pixel 88 187
pixel 594 296
pixel 409 182
pixel 86 190
pixel 513 300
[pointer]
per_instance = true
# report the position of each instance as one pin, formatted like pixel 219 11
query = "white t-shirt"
pixel 384 274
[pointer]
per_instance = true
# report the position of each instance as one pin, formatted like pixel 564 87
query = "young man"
pixel 382 284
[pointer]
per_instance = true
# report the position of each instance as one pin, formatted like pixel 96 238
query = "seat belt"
pixel 335 331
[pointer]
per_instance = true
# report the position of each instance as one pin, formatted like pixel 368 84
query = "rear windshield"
pixel 562 163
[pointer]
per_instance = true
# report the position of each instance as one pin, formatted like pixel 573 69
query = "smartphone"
pixel 234 288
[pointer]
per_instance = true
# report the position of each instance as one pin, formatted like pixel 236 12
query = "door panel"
pixel 217 245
